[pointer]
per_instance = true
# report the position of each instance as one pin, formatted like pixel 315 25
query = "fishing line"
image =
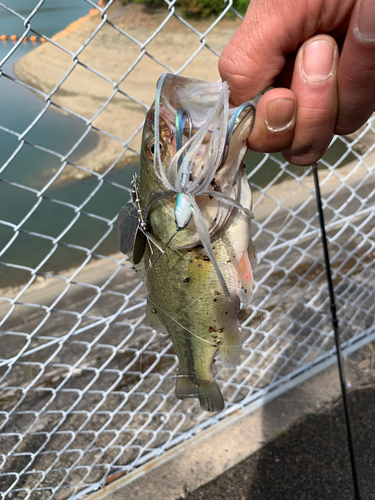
pixel 335 325
pixel 173 318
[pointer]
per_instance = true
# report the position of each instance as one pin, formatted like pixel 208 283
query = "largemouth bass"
pixel 187 228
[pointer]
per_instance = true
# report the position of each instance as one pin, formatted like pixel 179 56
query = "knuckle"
pixel 307 153
pixel 304 160
pixel 269 143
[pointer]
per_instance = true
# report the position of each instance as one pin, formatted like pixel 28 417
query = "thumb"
pixel 257 52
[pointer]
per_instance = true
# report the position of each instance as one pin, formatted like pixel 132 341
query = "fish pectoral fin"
pixel 208 392
pixel 154 318
pixel 140 270
pixel 245 280
pixel 231 349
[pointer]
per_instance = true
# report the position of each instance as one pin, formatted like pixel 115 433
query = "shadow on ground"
pixel 309 462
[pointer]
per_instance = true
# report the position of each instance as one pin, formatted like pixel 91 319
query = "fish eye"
pixel 151 148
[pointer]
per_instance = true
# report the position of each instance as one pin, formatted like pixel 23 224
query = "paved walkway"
pixel 292 448
pixel 310 461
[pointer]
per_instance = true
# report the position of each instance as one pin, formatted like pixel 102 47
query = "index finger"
pixel 252 59
pixel 356 71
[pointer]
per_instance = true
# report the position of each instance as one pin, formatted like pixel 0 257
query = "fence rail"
pixel 87 387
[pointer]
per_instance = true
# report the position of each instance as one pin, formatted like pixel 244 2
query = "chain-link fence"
pixel 87 387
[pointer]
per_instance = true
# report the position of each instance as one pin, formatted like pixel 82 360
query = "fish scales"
pixel 185 295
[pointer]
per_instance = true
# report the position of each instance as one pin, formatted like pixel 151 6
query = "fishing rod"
pixel 335 325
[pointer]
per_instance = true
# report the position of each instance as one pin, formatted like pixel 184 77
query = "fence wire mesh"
pixel 87 387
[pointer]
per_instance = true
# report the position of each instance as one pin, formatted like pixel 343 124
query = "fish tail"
pixel 210 397
pixel 231 349
pixel 208 392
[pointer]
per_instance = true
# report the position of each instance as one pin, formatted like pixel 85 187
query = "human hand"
pixel 320 54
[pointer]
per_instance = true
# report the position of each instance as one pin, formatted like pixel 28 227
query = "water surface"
pixel 27 165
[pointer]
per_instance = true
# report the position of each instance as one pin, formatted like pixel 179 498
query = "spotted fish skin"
pixel 185 298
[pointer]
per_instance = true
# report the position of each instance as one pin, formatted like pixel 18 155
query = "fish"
pixel 187 229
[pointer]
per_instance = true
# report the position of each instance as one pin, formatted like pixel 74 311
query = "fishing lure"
pixel 132 234
pixel 220 126
pixel 193 188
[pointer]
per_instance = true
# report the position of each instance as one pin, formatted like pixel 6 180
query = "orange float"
pixel 3 37
pixel 100 2
pixel 25 39
pixel 14 38
pixel 42 39
pixel 33 38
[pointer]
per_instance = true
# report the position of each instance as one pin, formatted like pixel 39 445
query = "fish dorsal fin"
pixel 252 252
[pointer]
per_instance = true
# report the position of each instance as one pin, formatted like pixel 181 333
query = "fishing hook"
pixel 183 211
pixel 232 125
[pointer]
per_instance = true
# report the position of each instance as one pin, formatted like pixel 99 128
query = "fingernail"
pixel 365 28
pixel 280 114
pixel 317 61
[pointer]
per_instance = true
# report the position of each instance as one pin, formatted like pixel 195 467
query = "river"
pixel 32 167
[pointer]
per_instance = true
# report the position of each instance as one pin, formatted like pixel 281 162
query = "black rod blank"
pixel 335 325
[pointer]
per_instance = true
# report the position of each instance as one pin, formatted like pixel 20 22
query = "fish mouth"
pixel 203 133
